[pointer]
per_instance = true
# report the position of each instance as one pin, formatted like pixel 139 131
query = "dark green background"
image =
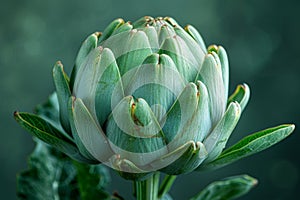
pixel 261 38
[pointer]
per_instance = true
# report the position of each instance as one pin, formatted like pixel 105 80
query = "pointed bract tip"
pixel 171 21
pixel 245 86
pixel 293 126
pixel 120 20
pixel 16 114
pixel 213 48
pixel 98 34
pixel 147 17
pixel 57 65
pixel 58 62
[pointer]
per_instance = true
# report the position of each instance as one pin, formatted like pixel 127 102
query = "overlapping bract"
pixel 148 96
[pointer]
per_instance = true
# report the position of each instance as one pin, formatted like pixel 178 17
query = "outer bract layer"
pixel 148 96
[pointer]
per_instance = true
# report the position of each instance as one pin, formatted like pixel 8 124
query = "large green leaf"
pixel 49 111
pixel 37 182
pixel 51 175
pixel 230 188
pixel 250 145
pixel 46 132
pixel 43 130
pixel 91 181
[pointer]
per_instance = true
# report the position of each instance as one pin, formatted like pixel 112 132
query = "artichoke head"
pixel 148 96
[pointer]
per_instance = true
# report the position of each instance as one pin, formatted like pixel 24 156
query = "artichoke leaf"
pixel 134 133
pixel 199 125
pixel 92 181
pixel 241 95
pixel 142 22
pixel 166 197
pixel 179 115
pixel 217 139
pixel 183 159
pixel 63 92
pixel 177 49
pixel 188 119
pixel 110 29
pixel 87 46
pixel 197 37
pixel 107 86
pixel 87 133
pixel 165 32
pixel 123 28
pixel 220 51
pixel 189 161
pixel 130 48
pixel 211 75
pixel 152 37
pixel 251 144
pixel 52 175
pixel 127 169
pixel 100 86
pixel 86 81
pixel 195 49
pixel 43 130
pixel 171 21
pixel 49 111
pixel 82 149
pixel 150 82
pixel 229 188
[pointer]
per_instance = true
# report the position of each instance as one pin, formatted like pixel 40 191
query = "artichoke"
pixel 144 96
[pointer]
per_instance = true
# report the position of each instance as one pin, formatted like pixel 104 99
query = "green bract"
pixel 142 97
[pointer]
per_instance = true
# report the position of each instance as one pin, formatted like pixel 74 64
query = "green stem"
pixel 166 185
pixel 147 189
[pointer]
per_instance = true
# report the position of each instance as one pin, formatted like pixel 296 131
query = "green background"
pixel 262 39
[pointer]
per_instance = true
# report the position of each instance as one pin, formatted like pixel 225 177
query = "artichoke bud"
pixel 147 96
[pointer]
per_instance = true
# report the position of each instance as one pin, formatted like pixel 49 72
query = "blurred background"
pixel 262 40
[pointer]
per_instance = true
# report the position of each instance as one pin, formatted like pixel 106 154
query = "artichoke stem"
pixel 166 185
pixel 147 189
